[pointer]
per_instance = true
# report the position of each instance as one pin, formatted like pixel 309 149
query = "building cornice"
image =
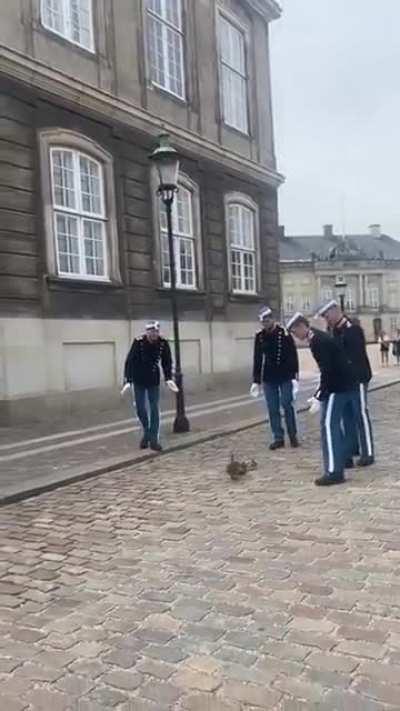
pixel 78 95
pixel 268 9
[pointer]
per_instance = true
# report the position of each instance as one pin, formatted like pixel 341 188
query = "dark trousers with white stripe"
pixel 333 441
pixel 357 425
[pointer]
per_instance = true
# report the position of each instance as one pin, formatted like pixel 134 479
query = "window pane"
pixel 249 271
pixel 186 273
pixel 155 6
pixel 173 12
pixel 236 270
pixel 80 22
pixel 166 272
pixel 93 247
pixel 90 185
pixel 183 215
pixel 63 179
pixel 175 62
pixel 156 51
pixel 247 227
pixel 67 244
pixel 234 94
pixel 234 224
pixel 53 15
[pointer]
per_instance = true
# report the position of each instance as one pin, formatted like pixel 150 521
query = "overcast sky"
pixel 336 85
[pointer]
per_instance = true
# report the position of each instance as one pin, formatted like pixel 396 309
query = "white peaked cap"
pixel 153 324
pixel 293 320
pixel 265 311
pixel 329 305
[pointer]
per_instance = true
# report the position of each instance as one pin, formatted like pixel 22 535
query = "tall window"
pixel 71 19
pixel 185 238
pixel 233 75
pixel 79 214
pixel 373 296
pixel 289 304
pixel 242 238
pixel 306 304
pixel 326 294
pixel 165 39
pixel 350 299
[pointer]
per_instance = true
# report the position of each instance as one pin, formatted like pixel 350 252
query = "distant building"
pixel 369 264
pixel 85 88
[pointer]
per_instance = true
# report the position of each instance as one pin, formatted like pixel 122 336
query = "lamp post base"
pixel 181 424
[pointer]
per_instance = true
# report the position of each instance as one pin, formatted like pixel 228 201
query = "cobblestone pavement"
pixel 171 587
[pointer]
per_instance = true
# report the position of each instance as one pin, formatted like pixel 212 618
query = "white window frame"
pixel 372 289
pixel 179 238
pixel 80 215
pixel 306 304
pixel 50 141
pixel 349 300
pixel 233 21
pixel 187 184
pixel 289 303
pixel 66 15
pixel 243 201
pixel 178 30
pixel 326 294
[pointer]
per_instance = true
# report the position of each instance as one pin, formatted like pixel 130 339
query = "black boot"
pixel 330 480
pixel 144 443
pixel 278 444
pixel 349 464
pixel 294 442
pixel 365 461
pixel 156 447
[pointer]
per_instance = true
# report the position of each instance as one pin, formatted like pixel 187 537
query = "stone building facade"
pixel 369 265
pixel 85 89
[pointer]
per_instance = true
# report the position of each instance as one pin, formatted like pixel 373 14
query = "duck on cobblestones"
pixel 237 469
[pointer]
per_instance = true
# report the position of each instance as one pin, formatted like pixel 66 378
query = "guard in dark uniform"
pixel 356 419
pixel 276 365
pixel 142 372
pixel 336 391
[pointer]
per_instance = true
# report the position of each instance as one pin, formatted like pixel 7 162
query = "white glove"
pixel 255 390
pixel 295 386
pixel 315 405
pixel 172 386
pixel 125 389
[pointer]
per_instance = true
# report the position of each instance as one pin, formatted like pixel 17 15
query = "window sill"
pixel 252 298
pixel 237 131
pixel 168 94
pixel 70 44
pixel 53 280
pixel 191 292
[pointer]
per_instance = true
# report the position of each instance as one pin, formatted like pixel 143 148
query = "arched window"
pixel 186 236
pixel 242 224
pixel 78 193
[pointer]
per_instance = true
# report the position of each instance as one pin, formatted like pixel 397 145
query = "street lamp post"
pixel 340 286
pixel 166 160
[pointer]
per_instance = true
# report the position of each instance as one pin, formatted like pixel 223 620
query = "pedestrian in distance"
pixel 396 347
pixel 384 342
pixel 335 392
pixel 276 366
pixel 142 375
pixel 356 420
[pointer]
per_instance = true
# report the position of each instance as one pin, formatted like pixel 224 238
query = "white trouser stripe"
pixel 328 430
pixel 365 419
